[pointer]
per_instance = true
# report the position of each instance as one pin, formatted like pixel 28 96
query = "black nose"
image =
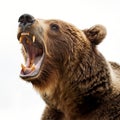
pixel 26 20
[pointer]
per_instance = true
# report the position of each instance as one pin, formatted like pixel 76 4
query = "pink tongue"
pixel 33 53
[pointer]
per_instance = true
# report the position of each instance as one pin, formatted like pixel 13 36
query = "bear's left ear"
pixel 95 34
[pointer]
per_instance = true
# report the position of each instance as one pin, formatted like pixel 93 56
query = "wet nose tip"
pixel 26 19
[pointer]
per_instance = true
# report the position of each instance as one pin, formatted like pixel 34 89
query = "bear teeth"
pixel 33 38
pixel 25 33
pixel 27 70
pixel 23 67
pixel 20 39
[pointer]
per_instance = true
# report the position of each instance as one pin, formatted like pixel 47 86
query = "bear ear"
pixel 95 34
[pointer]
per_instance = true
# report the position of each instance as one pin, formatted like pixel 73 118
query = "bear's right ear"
pixel 95 34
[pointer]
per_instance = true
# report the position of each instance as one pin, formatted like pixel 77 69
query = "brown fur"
pixel 75 80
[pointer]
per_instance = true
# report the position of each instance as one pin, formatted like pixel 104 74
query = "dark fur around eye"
pixel 54 27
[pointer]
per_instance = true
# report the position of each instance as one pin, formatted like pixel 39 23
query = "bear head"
pixel 57 52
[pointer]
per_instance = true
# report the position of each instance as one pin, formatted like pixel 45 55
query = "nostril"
pixel 25 19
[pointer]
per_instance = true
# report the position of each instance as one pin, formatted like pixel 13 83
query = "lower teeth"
pixel 27 70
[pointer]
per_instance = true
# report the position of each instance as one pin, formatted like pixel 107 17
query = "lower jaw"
pixel 33 74
pixel 28 78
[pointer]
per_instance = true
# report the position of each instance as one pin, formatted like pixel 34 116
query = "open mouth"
pixel 34 55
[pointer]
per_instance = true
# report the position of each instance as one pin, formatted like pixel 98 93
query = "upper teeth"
pixel 20 39
pixel 25 33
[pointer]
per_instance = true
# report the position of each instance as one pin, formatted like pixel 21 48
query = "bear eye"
pixel 54 27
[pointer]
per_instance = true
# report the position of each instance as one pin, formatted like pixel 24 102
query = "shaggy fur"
pixel 75 80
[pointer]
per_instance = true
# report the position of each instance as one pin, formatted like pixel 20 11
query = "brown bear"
pixel 64 65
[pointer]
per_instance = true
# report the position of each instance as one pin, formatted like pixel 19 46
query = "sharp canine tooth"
pixel 23 67
pixel 33 67
pixel 20 39
pixel 33 39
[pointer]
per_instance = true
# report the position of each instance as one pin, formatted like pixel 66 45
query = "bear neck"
pixel 88 83
pixel 91 74
pixel 85 81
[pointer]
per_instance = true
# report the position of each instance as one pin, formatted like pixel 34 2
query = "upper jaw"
pixel 34 52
